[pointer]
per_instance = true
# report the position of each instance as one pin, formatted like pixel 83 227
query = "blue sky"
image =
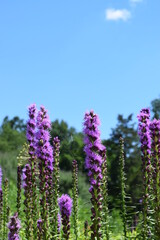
pixel 72 56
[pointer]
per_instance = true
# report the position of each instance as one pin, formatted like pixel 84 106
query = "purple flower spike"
pixel 93 162
pixel 39 226
pixel 31 130
pixel 155 135
pixel 144 121
pixel 14 226
pixel 45 155
pixel 31 137
pixel 26 177
pixel 65 204
pixel 144 133
pixel 145 139
pixel 59 223
pixel 44 149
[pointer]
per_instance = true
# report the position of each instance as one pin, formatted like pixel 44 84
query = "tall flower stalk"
pixel 14 227
pixel 1 211
pixel 5 210
pixel 40 232
pixel 55 223
pixel 155 135
pixel 27 185
pixel 105 217
pixel 123 187
pixel 75 197
pixel 65 204
pixel 1 202
pixel 31 138
pixel 144 133
pixel 45 155
pixel 86 230
pixel 93 163
pixel 1 178
pixel 19 174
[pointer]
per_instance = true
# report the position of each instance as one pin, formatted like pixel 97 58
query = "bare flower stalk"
pixel 75 197
pixel 105 212
pixel 123 187
pixel 55 223
pixel 19 174
pixel 5 210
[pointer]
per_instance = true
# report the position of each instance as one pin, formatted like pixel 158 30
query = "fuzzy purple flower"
pixel 45 155
pixel 144 133
pixel 40 229
pixel 155 135
pixel 65 204
pixel 14 227
pixel 93 162
pixel 59 222
pixel 31 137
pixel 31 131
pixel 145 138
pixel 26 177
pixel 39 224
pixel 44 149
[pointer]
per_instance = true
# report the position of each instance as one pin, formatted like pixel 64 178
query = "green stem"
pixel 123 193
pixel 5 210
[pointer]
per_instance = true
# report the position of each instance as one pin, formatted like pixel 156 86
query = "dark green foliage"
pixel 66 184
pixel 155 107
pixel 125 128
pixel 86 230
pixel 12 134
pixel 8 162
pixel 71 144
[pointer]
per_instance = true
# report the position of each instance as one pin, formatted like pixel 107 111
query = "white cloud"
pixel 117 14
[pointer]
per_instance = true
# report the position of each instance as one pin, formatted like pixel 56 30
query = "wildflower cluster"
pixel 45 214
pixel 149 132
